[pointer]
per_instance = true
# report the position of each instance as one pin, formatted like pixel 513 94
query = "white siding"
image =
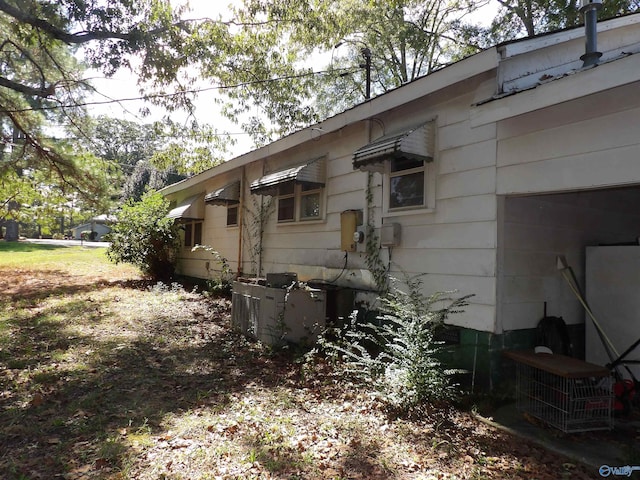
pixel 586 144
pixel 467 183
pixel 468 157
pixel 454 245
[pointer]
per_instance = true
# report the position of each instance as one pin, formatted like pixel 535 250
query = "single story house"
pixel 479 176
pixel 98 225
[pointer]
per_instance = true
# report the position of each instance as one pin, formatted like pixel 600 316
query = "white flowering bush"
pixel 397 354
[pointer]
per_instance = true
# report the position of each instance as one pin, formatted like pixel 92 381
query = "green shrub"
pixel 145 237
pixel 397 354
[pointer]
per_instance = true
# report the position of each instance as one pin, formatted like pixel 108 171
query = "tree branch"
pixel 42 92
pixel 79 37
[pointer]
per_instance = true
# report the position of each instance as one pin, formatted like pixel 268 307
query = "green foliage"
pixel 397 354
pixel 40 193
pixel 518 18
pixel 406 38
pixel 152 155
pixel 42 90
pixel 38 74
pixel 372 247
pixel 145 237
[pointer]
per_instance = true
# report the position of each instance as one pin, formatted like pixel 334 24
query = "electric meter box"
pixel 390 235
pixel 349 221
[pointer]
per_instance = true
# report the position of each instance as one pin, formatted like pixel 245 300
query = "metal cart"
pixel 564 392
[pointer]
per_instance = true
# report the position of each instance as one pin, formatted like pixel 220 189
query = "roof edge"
pixel 452 74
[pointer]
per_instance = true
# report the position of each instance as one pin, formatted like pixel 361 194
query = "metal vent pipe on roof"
pixel 590 9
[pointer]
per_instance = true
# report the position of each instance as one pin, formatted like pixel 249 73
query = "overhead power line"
pixel 183 92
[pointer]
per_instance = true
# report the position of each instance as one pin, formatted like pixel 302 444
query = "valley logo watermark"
pixel 625 471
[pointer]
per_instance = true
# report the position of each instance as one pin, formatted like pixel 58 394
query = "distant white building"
pixel 97 224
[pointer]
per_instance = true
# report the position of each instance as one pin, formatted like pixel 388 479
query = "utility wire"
pixel 175 94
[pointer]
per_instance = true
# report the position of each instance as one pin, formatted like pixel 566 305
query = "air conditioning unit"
pixel 273 315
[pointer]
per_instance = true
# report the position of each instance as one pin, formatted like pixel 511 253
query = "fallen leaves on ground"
pixel 120 380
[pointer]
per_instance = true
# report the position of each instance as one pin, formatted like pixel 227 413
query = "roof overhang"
pixel 187 210
pixel 615 73
pixel 227 195
pixel 414 143
pixel 311 173
pixel 437 81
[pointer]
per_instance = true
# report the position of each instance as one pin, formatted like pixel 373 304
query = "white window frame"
pixel 297 196
pixel 191 226
pixel 237 207
pixel 429 201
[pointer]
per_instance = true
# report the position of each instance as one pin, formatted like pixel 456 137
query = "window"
pixel 298 190
pixel 188 235
pixel 407 160
pixel 286 202
pixel 232 215
pixel 197 233
pixel 299 202
pixel 192 234
pixel 309 202
pixel 406 183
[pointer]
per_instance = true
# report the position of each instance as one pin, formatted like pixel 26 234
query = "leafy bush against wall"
pixel 397 354
pixel 145 237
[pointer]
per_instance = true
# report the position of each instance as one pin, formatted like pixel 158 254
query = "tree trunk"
pixel 12 231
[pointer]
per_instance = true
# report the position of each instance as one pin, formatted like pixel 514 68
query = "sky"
pixel 123 85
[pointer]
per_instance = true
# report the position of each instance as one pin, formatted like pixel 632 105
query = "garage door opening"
pixel 536 229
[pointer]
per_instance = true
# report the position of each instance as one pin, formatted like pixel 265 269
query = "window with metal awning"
pixel 311 174
pixel 406 160
pixel 225 196
pixel 189 209
pixel 416 144
pixel 299 191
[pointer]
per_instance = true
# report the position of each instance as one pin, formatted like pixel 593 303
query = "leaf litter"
pixel 112 378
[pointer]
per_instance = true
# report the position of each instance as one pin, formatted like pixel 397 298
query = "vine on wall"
pixel 254 222
pixel 373 259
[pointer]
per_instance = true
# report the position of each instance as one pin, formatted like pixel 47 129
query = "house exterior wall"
pixel 311 248
pixel 452 243
pixel 561 172
pixel 495 220
pixel 590 143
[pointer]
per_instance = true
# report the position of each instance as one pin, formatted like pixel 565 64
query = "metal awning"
pixel 187 210
pixel 311 173
pixel 414 143
pixel 227 195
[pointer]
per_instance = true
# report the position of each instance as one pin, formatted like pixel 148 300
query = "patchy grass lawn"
pixel 103 376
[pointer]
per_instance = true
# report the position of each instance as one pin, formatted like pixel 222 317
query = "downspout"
pixel 261 218
pixel 240 207
pixel 590 10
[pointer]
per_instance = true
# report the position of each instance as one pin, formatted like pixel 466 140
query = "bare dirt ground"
pixel 104 376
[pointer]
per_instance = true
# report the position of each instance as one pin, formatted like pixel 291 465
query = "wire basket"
pixel 569 404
